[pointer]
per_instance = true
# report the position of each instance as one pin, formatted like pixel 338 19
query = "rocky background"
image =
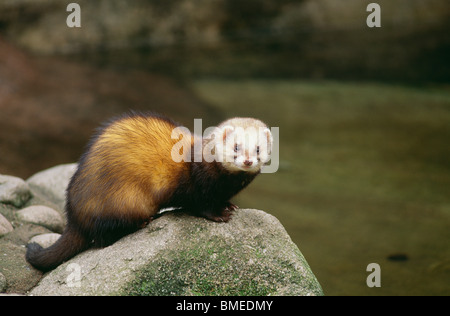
pixel 307 38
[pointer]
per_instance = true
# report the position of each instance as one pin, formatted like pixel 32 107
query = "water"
pixel 364 178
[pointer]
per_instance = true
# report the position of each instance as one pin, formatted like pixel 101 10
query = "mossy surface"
pixel 216 268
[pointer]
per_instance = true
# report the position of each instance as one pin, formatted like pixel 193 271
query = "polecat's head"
pixel 243 144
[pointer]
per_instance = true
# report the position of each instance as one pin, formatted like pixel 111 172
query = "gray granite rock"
pixel 14 191
pixel 183 255
pixel 43 216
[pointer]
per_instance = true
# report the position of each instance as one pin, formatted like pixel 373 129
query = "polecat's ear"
pixel 227 130
pixel 269 136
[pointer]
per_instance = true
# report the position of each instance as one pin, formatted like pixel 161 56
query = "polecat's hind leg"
pixel 146 222
pixel 111 230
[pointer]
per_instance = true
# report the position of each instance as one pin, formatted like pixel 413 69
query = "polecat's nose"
pixel 248 163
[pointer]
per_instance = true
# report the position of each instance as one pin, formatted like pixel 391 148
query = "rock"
pixel 43 216
pixel 20 276
pixel 14 191
pixel 5 226
pixel 2 283
pixel 178 254
pixel 45 240
pixel 52 183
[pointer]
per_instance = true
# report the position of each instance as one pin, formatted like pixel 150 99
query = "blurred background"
pixel 364 113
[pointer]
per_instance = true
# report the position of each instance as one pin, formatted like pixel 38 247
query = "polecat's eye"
pixel 257 150
pixel 236 147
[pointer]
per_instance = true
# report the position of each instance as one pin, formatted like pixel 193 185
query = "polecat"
pixel 127 175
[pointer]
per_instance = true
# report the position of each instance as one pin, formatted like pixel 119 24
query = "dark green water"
pixel 364 178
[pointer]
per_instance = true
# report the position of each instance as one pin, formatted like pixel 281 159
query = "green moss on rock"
pixel 219 268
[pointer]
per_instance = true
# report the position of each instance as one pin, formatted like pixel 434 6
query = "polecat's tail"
pixel 68 245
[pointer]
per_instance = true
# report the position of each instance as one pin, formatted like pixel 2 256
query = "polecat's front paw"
pixel 223 217
pixel 231 207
